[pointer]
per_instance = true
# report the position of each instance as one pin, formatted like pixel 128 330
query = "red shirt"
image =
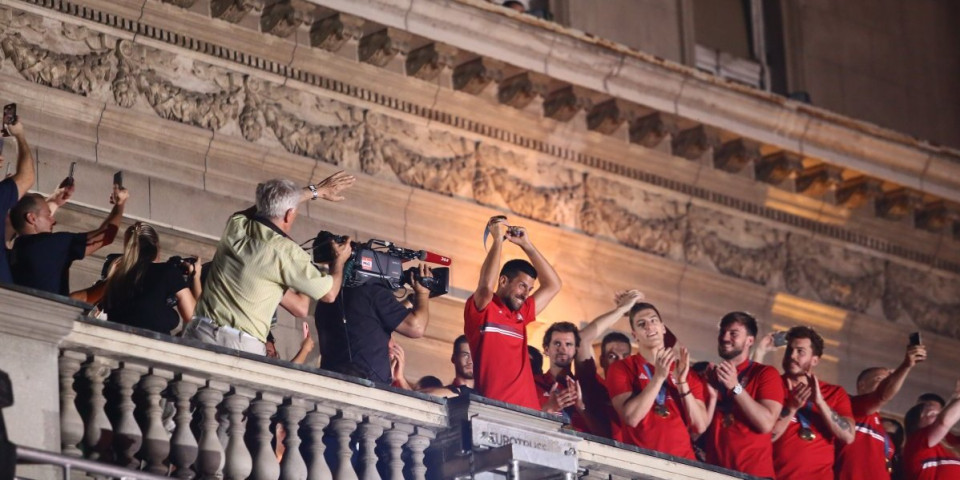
pixel 597 398
pixel 738 446
pixel 544 383
pixel 867 456
pixel 668 435
pixel 921 462
pixel 498 342
pixel 796 458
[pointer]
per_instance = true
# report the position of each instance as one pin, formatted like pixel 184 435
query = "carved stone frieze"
pixel 926 298
pixel 234 10
pixel 734 246
pixel 80 73
pixel 778 167
pixel 832 274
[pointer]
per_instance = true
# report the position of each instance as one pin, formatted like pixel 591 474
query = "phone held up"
pixel 915 339
pixel 9 117
pixel 780 339
pixel 68 182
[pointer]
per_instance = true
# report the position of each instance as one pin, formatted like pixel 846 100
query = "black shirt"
pixel 8 198
pixel 42 260
pixel 148 306
pixel 372 313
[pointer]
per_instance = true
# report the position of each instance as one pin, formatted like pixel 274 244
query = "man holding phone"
pixel 871 450
pixel 40 258
pixel 14 187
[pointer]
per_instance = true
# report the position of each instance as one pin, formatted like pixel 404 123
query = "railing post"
pixel 239 462
pixel 71 425
pixel 292 467
pixel 183 445
pixel 127 435
pixel 211 456
pixel 265 466
pixel 369 432
pixel 418 444
pixel 343 425
pixel 97 432
pixel 156 443
pixel 395 438
pixel 317 420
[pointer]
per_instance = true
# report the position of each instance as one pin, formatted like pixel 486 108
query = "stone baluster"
pixel 343 425
pixel 265 466
pixel 317 420
pixel 156 441
pixel 211 457
pixel 239 462
pixel 418 444
pixel 369 432
pixel 183 445
pixel 395 438
pixel 71 425
pixel 127 437
pixel 97 432
pixel 292 467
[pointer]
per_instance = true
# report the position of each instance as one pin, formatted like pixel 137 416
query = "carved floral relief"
pixel 833 274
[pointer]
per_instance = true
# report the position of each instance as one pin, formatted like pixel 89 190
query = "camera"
pixel 186 265
pixel 380 260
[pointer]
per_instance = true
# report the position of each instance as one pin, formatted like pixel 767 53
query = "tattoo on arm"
pixel 840 421
pixel 785 412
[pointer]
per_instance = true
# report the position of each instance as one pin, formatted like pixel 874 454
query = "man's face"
pixel 514 292
pixel 733 340
pixel 42 219
pixel 614 352
pixel 799 358
pixel 647 328
pixel 869 384
pixel 463 361
pixel 561 349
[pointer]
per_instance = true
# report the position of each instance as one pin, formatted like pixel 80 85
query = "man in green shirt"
pixel 257 266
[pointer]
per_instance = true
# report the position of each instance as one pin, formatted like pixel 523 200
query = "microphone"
pixel 433 258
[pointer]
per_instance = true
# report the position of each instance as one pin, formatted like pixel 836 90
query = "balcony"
pixel 171 407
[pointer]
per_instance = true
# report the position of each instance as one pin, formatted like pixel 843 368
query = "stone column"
pixel 265 466
pixel 183 445
pixel 343 425
pixel 71 425
pixel 369 433
pixel 127 435
pixel 211 456
pixel 316 421
pixel 239 462
pixel 292 467
pixel 97 431
pixel 418 444
pixel 156 442
pixel 395 439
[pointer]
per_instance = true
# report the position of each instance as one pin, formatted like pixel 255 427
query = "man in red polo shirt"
pixel 749 399
pixel 815 416
pixel 496 317
pixel 560 344
pixel 927 456
pixel 871 449
pixel 614 347
pixel 658 408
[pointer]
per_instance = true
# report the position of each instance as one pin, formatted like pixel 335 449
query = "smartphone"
pixel 118 179
pixel 915 339
pixel 779 339
pixel 306 330
pixel 9 117
pixel 68 182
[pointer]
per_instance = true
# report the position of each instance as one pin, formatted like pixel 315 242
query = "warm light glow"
pixel 806 312
pixel 829 342
pixel 787 202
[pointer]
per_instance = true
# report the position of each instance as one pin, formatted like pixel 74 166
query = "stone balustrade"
pixel 173 407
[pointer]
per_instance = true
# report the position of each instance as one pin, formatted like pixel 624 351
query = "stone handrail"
pixel 175 407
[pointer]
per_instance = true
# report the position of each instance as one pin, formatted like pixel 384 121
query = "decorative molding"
pixel 819 179
pixel 857 191
pixel 735 155
pixel 332 32
pixel 778 167
pixel 651 130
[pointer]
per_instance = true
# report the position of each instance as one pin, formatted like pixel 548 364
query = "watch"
pixel 737 389
pixel 313 190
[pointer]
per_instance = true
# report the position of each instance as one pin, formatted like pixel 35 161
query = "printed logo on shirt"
pixel 642 376
pixel 519 317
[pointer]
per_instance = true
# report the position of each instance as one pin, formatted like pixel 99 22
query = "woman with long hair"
pixel 140 289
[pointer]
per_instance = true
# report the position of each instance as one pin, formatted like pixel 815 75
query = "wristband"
pixel 685 394
pixel 313 190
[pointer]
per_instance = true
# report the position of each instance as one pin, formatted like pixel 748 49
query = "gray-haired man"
pixel 257 266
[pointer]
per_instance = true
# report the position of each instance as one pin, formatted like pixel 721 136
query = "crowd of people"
pixel 735 412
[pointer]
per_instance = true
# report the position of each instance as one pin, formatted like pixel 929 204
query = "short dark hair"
pixel 456 344
pixel 561 327
pixel 640 306
pixel 30 203
pixel 516 266
pixel 614 337
pixel 931 397
pixel 867 372
pixel 536 359
pixel 802 331
pixel 429 381
pixel 911 421
pixel 743 318
pixel 514 3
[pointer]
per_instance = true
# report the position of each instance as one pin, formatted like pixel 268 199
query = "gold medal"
pixel 807 434
pixel 661 410
pixel 728 420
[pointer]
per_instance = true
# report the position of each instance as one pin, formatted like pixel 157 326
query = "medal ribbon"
pixel 804 423
pixel 662 394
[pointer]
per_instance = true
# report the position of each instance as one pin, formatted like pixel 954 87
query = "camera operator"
pixel 257 266
pixel 497 314
pixel 355 328
pixel 13 188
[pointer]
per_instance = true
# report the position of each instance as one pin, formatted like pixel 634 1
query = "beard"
pixel 734 352
pixel 513 303
pixel 467 375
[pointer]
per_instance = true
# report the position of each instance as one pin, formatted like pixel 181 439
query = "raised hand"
pixel 915 354
pixel 329 188
pixel 799 395
pixel 518 236
pixel 626 299
pixel 119 195
pixel 664 359
pixel 817 394
pixel 727 374
pixel 683 364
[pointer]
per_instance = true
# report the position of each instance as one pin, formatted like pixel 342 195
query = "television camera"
pixel 381 260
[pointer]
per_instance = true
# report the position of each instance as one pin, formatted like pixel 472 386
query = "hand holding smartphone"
pixel 68 182
pixel 9 117
pixel 915 339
